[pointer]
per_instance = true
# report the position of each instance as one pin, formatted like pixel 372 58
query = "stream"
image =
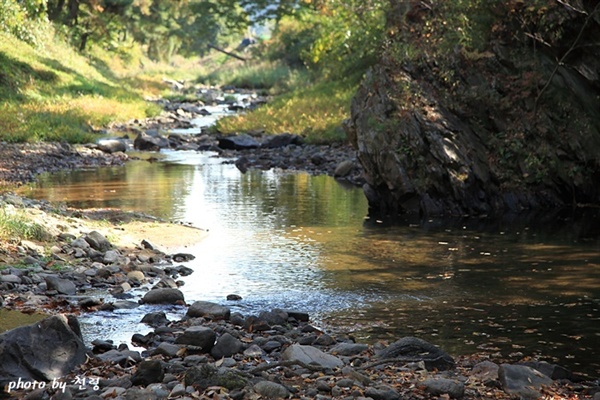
pixel 522 286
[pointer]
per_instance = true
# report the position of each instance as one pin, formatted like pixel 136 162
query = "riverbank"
pixel 92 260
pixel 175 359
pixel 211 352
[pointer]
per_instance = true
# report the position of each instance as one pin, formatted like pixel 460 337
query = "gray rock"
pixel 97 241
pixel 163 296
pixel 32 247
pixel 10 278
pixel 412 349
pixel 271 345
pixel 113 356
pixel 177 391
pixel 382 393
pixel 357 376
pixel 111 145
pixel 146 142
pixel 550 370
pixel 271 390
pixel 238 142
pixel 345 383
pixel 155 319
pixel 207 309
pixel 486 372
pixel 150 371
pixel 522 381
pixel 167 349
pixel 111 257
pixel 208 375
pixel 80 243
pixel 348 349
pixel 226 346
pixel 198 336
pixel 309 354
pixel 62 286
pixel 343 169
pixel 136 276
pixel 48 349
pixel 282 140
pixel 297 315
pixel 125 305
pixel 324 340
pixel 439 386
pixel 254 351
pixel 274 317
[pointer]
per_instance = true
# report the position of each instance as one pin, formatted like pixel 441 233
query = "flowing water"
pixel 523 286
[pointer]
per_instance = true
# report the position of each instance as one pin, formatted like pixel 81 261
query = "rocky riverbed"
pixel 82 256
pixel 210 352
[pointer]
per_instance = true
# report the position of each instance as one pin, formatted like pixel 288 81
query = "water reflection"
pixel 527 285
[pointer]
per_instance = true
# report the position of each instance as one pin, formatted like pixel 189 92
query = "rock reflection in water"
pixel 521 286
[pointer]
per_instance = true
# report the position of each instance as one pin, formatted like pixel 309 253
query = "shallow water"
pixel 527 285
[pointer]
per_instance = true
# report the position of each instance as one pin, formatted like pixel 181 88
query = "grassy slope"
pixel 54 94
pixel 314 108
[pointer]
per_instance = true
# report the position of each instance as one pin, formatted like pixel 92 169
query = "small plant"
pixel 16 226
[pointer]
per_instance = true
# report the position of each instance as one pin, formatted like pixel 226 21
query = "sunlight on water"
pixel 290 240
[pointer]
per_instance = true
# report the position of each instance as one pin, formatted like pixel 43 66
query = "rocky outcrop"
pixel 477 132
pixel 42 351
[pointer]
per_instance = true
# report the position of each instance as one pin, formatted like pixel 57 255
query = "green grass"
pixel 315 111
pixel 267 76
pixel 16 226
pixel 52 93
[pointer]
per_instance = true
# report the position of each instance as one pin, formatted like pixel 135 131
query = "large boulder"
pixel 48 349
pixel 163 296
pixel 282 140
pixel 311 355
pixel 522 382
pixel 146 142
pixel 238 142
pixel 430 143
pixel 226 346
pixel 112 145
pixel 412 349
pixel 62 286
pixel 207 309
pixel 198 336
pixel 97 241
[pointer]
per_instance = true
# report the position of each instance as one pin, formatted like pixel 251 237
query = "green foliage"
pixel 334 39
pixel 15 225
pixel 24 19
pixel 53 94
pixel 16 75
pixel 315 111
pixel 272 77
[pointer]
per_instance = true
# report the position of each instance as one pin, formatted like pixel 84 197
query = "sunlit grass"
pixel 53 93
pixel 269 76
pixel 16 226
pixel 316 112
pixel 68 120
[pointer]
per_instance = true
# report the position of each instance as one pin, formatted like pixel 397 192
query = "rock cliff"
pixel 506 124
